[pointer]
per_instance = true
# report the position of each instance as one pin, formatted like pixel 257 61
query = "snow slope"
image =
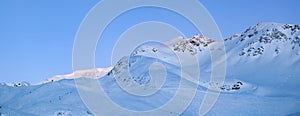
pixel 262 78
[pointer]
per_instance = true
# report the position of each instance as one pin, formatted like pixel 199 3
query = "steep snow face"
pixel 266 55
pixel 279 38
pixel 92 73
pixel 262 78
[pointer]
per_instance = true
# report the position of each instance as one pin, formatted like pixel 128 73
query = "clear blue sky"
pixel 36 37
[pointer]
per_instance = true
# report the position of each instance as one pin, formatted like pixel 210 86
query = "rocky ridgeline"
pixel 262 34
pixel 196 43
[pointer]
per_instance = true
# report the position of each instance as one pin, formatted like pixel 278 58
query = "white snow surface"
pixel 262 78
pixel 92 73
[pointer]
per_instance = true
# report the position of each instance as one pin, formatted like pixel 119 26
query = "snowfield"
pixel 262 78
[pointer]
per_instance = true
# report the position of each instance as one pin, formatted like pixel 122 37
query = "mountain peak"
pixel 263 37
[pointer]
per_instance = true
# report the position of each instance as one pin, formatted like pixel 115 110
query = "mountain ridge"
pixel 263 81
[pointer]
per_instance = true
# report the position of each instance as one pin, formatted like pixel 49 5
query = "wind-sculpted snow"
pixel 262 78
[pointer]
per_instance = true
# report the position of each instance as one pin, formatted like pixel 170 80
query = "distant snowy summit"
pixel 16 84
pixel 90 73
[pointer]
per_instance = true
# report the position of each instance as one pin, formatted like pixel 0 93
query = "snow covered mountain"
pixel 92 73
pixel 262 77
